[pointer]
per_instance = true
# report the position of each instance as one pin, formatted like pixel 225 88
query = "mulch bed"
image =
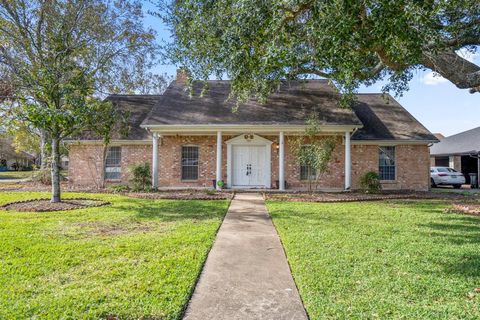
pixel 181 195
pixel 190 194
pixel 44 205
pixel 357 196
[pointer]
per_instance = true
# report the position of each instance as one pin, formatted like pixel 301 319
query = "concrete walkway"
pixel 246 275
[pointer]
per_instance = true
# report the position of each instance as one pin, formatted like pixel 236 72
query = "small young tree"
pixel 312 152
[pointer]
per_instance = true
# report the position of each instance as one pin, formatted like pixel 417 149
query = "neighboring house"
pixel 10 159
pixel 194 139
pixel 460 152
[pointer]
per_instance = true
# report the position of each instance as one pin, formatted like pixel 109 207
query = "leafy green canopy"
pixel 60 56
pixel 258 43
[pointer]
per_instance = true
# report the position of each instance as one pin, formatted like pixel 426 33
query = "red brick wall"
pixel 85 162
pixel 412 163
pixel 333 178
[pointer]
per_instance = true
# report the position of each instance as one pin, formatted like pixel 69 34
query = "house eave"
pixel 474 153
pixel 392 142
pixel 236 128
pixel 112 143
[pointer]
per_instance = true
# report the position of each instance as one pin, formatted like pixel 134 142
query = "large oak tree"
pixel 257 43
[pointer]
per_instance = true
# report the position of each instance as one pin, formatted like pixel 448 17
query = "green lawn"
pixel 382 260
pixel 15 174
pixel 134 259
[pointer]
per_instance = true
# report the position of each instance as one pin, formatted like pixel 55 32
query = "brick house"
pixel 192 139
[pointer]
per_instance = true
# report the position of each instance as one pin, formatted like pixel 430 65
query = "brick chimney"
pixel 182 75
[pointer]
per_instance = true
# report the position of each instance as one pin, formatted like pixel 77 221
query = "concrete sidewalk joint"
pixel 246 275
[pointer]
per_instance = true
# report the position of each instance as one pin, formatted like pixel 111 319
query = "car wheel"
pixel 433 183
pixel 457 186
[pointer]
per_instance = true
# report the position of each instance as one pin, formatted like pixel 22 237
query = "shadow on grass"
pixel 460 231
pixel 174 210
pixel 457 228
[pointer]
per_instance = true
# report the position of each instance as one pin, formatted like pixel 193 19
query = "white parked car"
pixel 446 176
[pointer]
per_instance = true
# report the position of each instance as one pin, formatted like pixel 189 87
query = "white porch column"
pixel 219 159
pixel 281 161
pixel 348 162
pixel 155 161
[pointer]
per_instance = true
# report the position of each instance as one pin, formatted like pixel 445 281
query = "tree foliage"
pixel 313 152
pixel 24 138
pixel 105 121
pixel 258 43
pixel 60 57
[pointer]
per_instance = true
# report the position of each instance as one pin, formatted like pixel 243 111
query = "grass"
pixel 15 174
pixel 133 259
pixel 382 260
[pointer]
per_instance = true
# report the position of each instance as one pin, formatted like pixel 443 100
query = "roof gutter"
pixel 392 142
pixel 260 128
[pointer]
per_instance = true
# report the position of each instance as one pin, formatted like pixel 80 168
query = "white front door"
pixel 249 166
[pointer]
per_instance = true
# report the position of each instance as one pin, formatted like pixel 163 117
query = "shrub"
pixel 141 177
pixel 45 177
pixel 119 188
pixel 370 182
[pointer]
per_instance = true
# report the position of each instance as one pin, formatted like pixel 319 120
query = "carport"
pixel 460 152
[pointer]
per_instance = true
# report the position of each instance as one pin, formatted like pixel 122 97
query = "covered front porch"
pixel 240 157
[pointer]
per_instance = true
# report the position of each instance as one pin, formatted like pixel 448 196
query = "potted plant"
pixel 221 184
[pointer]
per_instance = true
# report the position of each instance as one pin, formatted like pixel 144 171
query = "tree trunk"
pixel 55 171
pixel 43 150
pixel 104 165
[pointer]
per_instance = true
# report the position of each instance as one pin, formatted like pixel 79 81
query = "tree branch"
pixel 461 72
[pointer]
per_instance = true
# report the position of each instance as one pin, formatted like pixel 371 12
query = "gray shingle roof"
pixel 137 107
pixel 467 142
pixel 384 118
pixel 291 104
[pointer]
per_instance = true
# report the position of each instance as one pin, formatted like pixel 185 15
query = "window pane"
pixel 190 163
pixel 113 173
pixel 387 163
pixel 114 155
pixel 306 171
pixel 113 170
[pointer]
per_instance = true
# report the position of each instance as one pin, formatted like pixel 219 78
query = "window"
pixel 307 172
pixel 113 169
pixel 387 163
pixel 189 163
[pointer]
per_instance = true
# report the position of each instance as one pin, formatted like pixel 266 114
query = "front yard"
pixel 382 260
pixel 15 174
pixel 133 259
